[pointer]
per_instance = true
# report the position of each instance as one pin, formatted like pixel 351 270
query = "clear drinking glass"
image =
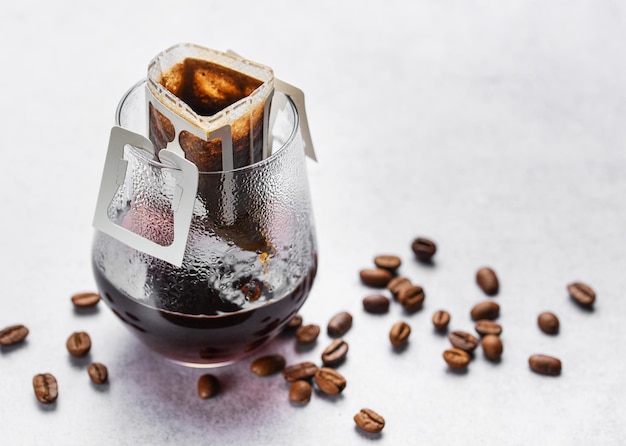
pixel 250 257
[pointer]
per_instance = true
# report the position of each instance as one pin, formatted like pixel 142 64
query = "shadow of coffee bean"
pixel 86 311
pixel 51 407
pixel 102 388
pixel 368 435
pixel 401 348
pixel 80 363
pixel 440 331
pixel 458 372
pixel 427 263
pixel 7 349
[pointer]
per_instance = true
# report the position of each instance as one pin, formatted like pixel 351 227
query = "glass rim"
pixel 275 153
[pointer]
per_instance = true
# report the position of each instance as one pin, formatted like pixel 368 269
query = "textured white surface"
pixel 495 128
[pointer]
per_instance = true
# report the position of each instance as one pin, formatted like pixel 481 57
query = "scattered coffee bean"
pixel 98 373
pixel 300 371
pixel 294 322
pixel 399 333
pixel 335 352
pixel 487 281
pixel 13 334
pixel 441 319
pixel 485 326
pixel 389 262
pixel 545 365
pixel 582 294
pixel 208 386
pixel 252 290
pixel 485 310
pixel 411 297
pixel 329 381
pixel 306 334
pixel 300 392
pixel 463 340
pixel 369 421
pixel 267 365
pixel 78 344
pixel 396 285
pixel 548 323
pixel 424 249
pixel 376 277
pixel 85 300
pixel 376 303
pixel 46 388
pixel 456 358
pixel 339 324
pixel 492 346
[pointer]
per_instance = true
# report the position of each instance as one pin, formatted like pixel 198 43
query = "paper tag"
pixel 113 177
pixel 297 96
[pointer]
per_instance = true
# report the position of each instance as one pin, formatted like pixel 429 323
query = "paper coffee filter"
pixel 209 106
pixel 167 59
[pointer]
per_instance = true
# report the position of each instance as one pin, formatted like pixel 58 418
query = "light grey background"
pixel 497 128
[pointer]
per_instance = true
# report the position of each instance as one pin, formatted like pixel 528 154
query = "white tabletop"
pixel 498 129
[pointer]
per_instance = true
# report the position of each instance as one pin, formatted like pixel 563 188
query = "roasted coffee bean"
pixel 13 334
pixel 548 323
pixel 369 421
pixel 252 290
pixel 267 365
pixel 208 386
pixel 78 344
pixel 485 310
pixel 306 334
pixel 46 388
pixel 582 294
pixel 85 300
pixel 335 352
pixel 389 262
pixel 441 319
pixel 456 358
pixel 463 340
pixel 376 303
pixel 492 347
pixel 375 277
pixel 399 333
pixel 300 392
pixel 485 326
pixel 294 322
pixel 411 297
pixel 545 365
pixel 98 373
pixel 424 249
pixel 487 281
pixel 302 370
pixel 396 285
pixel 329 381
pixel 339 324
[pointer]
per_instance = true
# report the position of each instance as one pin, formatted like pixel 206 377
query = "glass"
pixel 250 257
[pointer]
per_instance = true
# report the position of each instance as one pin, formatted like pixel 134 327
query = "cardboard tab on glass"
pixel 113 177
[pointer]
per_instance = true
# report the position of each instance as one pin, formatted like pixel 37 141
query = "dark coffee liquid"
pixel 204 339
